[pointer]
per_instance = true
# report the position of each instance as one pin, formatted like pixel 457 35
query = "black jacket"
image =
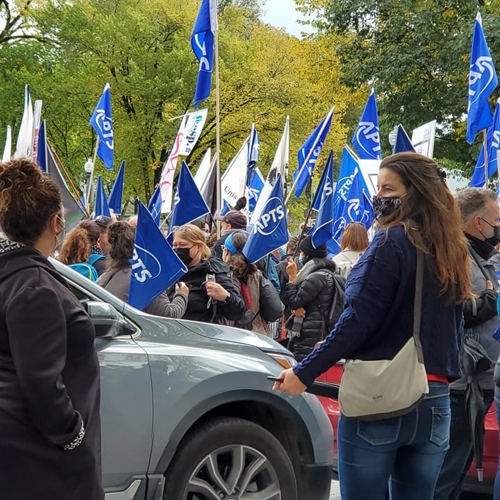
pixel 315 294
pixel 198 308
pixel 49 384
pixel 217 246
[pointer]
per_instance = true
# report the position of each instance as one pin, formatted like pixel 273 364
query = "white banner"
pixel 7 150
pixel 281 158
pixel 234 180
pixel 37 120
pixel 422 138
pixel 203 170
pixel 192 126
pixel 25 136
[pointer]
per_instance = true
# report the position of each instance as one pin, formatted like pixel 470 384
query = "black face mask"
pixel 385 205
pixel 495 239
pixel 184 256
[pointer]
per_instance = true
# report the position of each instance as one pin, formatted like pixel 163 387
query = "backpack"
pixel 85 269
pixel 337 305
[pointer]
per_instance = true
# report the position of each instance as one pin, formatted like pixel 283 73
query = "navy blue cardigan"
pixel 378 313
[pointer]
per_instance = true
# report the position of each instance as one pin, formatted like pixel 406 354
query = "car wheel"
pixel 231 459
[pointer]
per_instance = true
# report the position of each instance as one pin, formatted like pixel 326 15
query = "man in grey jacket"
pixel 480 215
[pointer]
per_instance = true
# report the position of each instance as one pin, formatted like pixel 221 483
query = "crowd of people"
pixel 49 395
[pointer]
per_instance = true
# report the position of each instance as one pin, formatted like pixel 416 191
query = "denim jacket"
pixel 378 312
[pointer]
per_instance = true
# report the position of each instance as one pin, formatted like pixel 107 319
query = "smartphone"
pixel 274 379
pixel 209 278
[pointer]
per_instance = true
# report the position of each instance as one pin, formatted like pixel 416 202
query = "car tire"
pixel 228 457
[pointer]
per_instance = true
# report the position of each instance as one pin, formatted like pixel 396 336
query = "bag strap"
pixel 417 305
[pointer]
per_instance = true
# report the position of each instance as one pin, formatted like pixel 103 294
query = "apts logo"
pixel 145 265
pixel 106 125
pixel 272 214
pixel 481 69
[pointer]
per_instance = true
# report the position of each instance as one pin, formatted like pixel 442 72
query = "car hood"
pixel 209 331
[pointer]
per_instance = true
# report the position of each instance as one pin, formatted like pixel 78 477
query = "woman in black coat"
pixel 214 296
pixel 309 294
pixel 49 372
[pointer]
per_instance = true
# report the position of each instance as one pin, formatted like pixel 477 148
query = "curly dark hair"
pixel 121 237
pixel 242 269
pixel 92 229
pixel 28 199
pixel 75 247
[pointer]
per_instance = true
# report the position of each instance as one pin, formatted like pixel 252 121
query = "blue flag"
pixel 254 189
pixel 403 142
pixel 41 155
pixel 309 152
pixel 482 81
pixel 154 205
pixel 493 141
pixel 352 202
pixel 366 138
pixel 271 229
pixel 101 202
pixel 202 43
pixel 102 122
pixel 323 228
pixel 253 153
pixel 116 195
pixel 321 186
pixel 225 208
pixel 189 204
pixel 155 266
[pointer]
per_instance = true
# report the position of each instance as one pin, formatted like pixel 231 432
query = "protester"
pixel 416 211
pixel 232 221
pixel 354 243
pixel 203 225
pixel 309 295
pixel 496 487
pixel 75 252
pixel 49 395
pixel 290 252
pixel 214 296
pixel 262 301
pixel 103 222
pixel 117 278
pixel 480 219
pixel 96 258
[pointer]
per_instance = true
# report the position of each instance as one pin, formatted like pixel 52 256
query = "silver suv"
pixel 188 413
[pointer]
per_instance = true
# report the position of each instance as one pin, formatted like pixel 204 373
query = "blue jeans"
pixel 401 455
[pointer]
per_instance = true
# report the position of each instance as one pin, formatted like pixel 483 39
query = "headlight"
pixel 284 361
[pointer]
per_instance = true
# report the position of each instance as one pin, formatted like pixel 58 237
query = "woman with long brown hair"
pixel 416 211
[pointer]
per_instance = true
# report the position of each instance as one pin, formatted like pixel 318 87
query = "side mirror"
pixel 107 321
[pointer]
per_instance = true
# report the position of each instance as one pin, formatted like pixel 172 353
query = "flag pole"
pixel 217 126
pixel 485 156
pixel 306 160
pixel 304 228
pixel 89 187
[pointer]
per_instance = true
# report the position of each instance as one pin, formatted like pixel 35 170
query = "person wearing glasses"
pixel 214 295
pixel 50 434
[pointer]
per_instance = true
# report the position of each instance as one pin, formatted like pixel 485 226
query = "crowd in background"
pixel 49 370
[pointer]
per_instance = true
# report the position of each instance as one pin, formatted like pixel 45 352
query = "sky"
pixel 282 13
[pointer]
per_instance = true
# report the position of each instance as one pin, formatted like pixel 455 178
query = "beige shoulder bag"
pixel 375 390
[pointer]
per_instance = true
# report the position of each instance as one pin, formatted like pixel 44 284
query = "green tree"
pixel 416 53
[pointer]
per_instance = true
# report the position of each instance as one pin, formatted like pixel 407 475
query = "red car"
pixel 490 455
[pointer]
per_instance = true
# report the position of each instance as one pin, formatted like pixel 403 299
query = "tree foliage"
pixel 416 54
pixel 143 50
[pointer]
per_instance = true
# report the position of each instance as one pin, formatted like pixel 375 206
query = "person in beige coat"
pixel 353 245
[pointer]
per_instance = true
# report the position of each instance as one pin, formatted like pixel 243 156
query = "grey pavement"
pixel 335 491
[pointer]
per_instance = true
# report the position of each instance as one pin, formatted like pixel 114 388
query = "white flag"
pixel 8 145
pixel 37 120
pixel 187 135
pixel 193 125
pixel 25 137
pixel 234 180
pixel 203 170
pixel 281 158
